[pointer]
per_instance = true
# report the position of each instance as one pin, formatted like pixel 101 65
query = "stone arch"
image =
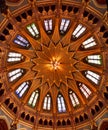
pixel 103 125
pixel 4 123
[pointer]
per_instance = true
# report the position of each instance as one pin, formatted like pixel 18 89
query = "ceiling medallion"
pixel 54 64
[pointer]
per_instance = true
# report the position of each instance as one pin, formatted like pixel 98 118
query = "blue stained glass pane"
pixel 21 41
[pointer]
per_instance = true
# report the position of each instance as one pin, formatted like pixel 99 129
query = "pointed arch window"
pixel 94 59
pixel 85 90
pixel 80 29
pixel 14 57
pixel 64 25
pixel 13 75
pixel 47 102
pixel 90 42
pixel 32 29
pixel 22 89
pixel 74 98
pixel 48 25
pixel 93 76
pixel 19 40
pixel 33 98
pixel 61 103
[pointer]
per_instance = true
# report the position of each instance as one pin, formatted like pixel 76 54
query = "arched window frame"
pixel 79 30
pixel 14 74
pixel 94 77
pixel 85 90
pixel 33 98
pixel 94 59
pixel 64 25
pixel 88 43
pixel 47 102
pixel 22 88
pixel 33 30
pixel 21 41
pixel 14 57
pixel 74 99
pixel 61 104
pixel 48 25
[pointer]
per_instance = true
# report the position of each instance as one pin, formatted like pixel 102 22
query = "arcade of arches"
pixel 53 65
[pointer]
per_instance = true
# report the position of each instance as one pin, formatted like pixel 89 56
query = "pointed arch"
pixel 94 59
pixel 34 98
pixel 14 57
pixel 15 74
pixel 33 30
pixel 79 30
pixel 48 24
pixel 22 88
pixel 74 99
pixel 84 89
pixel 61 103
pixel 88 43
pixel 64 25
pixel 47 102
pixel 94 77
pixel 21 41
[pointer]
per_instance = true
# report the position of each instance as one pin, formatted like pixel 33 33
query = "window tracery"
pixel 47 102
pixel 32 29
pixel 33 98
pixel 94 59
pixel 90 42
pixel 61 104
pixel 48 25
pixel 13 75
pixel 79 30
pixel 14 57
pixel 19 40
pixel 85 90
pixel 74 99
pixel 64 25
pixel 20 91
pixel 92 76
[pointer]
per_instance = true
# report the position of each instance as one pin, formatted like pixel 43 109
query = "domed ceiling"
pixel 53 63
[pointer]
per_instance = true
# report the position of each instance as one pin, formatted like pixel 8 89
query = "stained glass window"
pixel 94 59
pixel 74 99
pixel 90 42
pixel 14 57
pixel 33 30
pixel 47 102
pixel 21 41
pixel 80 29
pixel 93 76
pixel 13 75
pixel 64 25
pixel 61 103
pixel 48 25
pixel 22 89
pixel 33 98
pixel 85 90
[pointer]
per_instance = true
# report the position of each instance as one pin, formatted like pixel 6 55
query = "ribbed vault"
pixel 53 64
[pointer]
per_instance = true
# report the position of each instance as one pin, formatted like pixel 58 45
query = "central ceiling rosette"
pixel 54 64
